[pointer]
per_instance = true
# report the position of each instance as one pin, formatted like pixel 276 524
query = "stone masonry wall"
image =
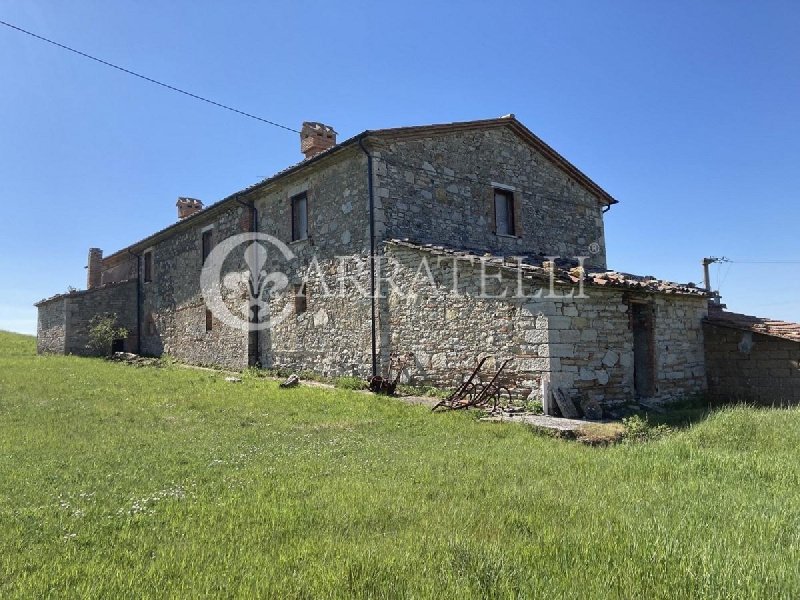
pixel 449 328
pixel 750 367
pixel 592 349
pixel 51 326
pixel 448 199
pixel 64 321
pixel 445 196
pixel 332 336
pixel 117 299
pixel 584 345
pixel 121 268
pixel 173 310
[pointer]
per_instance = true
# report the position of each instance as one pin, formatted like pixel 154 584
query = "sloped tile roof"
pixel 565 272
pixel 781 329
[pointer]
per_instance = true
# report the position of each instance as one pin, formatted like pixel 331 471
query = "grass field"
pixel 118 481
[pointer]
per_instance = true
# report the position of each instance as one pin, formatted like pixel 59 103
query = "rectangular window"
pixel 148 266
pixel 209 320
pixel 207 243
pixel 299 217
pixel 300 299
pixel 504 212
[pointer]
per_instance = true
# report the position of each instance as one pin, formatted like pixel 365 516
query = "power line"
pixel 766 262
pixel 150 79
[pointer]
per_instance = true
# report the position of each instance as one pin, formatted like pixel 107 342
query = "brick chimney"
pixel 188 206
pixel 316 138
pixel 94 268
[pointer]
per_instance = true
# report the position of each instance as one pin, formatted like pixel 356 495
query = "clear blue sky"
pixel 687 112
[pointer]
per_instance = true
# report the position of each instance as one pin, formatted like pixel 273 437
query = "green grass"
pixel 168 482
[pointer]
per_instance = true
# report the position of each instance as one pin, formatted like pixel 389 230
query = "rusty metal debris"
pixel 397 364
pixel 473 392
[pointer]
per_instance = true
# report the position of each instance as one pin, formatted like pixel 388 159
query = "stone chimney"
pixel 94 268
pixel 188 206
pixel 316 138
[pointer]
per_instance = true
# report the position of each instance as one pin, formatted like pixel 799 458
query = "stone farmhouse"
pixel 459 240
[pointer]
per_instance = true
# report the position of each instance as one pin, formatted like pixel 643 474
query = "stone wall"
pixel 591 344
pixel 173 309
pixel 119 268
pixel 440 190
pixel 332 336
pixel 449 327
pixel 51 326
pixel 750 367
pixel 64 321
pixel 584 345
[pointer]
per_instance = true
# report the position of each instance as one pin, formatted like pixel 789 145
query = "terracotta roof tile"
pixel 765 326
pixel 565 271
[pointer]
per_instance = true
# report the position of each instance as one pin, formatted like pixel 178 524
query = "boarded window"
pixel 299 217
pixel 300 299
pixel 209 320
pixel 208 243
pixel 644 364
pixel 504 212
pixel 148 266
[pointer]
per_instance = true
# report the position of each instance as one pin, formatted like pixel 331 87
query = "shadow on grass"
pixel 686 412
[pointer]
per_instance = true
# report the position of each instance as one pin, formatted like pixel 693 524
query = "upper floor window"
pixel 148 266
pixel 299 217
pixel 208 243
pixel 504 212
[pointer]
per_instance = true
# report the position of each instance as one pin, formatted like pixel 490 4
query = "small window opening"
pixel 299 217
pixel 148 266
pixel 208 239
pixel 209 320
pixel 300 299
pixel 504 212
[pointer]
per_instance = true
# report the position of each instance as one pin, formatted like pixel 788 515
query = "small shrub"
pixel 535 407
pixel 167 360
pixel 103 330
pixel 638 429
pixel 350 383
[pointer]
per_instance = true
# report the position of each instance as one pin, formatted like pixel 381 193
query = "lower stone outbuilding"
pixel 752 359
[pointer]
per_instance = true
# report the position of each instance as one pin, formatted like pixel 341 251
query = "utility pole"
pixel 707 278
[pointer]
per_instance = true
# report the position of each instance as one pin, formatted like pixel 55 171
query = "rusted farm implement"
pixel 387 385
pixel 473 392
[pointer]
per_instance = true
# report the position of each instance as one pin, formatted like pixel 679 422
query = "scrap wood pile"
pixel 474 392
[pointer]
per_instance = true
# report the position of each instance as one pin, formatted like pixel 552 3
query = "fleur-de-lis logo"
pixel 241 298
pixel 260 283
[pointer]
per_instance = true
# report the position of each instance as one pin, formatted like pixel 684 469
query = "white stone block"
pixel 611 358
